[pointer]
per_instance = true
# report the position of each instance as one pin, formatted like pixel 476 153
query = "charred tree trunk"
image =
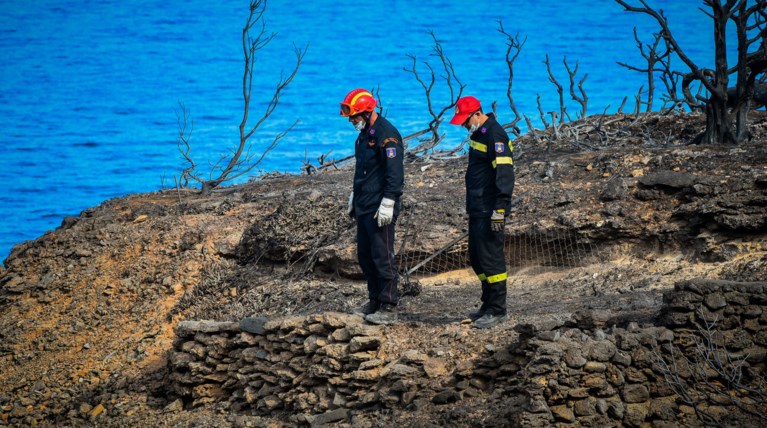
pixel 718 125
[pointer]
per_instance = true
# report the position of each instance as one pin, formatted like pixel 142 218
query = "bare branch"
pixel 583 100
pixel 184 146
pixel 513 49
pixel 560 90
pixel 449 77
pixel 540 110
pixel 652 57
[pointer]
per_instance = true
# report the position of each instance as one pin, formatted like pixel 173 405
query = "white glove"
pixel 385 213
pixel 497 220
pixel 350 207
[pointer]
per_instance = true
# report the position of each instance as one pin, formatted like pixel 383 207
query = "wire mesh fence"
pixel 534 248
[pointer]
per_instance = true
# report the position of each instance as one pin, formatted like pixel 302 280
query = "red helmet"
pixel 357 101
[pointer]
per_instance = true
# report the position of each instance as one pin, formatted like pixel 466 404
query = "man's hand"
pixel 350 207
pixel 497 220
pixel 385 213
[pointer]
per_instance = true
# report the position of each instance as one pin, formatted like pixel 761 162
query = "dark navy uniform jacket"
pixel 378 172
pixel 490 174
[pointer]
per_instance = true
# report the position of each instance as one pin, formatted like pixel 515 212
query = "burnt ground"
pixel 607 217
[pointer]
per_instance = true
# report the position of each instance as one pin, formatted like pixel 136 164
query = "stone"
pixel 369 364
pixel 737 339
pixel 252 353
pixel 595 367
pixel 614 376
pixel 602 406
pixel 563 414
pixel 549 336
pixel 364 343
pixel 664 335
pixel 616 188
pixel 396 371
pixel 254 325
pixel 635 393
pixel 341 335
pixel 756 354
pixel 292 322
pixel 636 413
pixel 208 390
pixel 190 328
pixel 622 358
pixel 271 402
pixel 401 385
pixel 664 408
pixel 616 409
pixel 446 397
pixel 602 350
pixel 585 407
pixel 594 381
pixel 435 367
pixel 335 350
pixel 221 342
pixel 715 301
pixel 313 343
pixel 96 411
pixel 365 330
pixel 175 406
pixel 573 358
pixel 337 320
pixel 578 393
pixel 413 356
pixel 180 359
pixel 331 416
pixel 194 348
pixel 360 357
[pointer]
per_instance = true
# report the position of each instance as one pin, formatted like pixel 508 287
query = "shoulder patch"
pixel 390 140
pixel 499 147
pixel 391 152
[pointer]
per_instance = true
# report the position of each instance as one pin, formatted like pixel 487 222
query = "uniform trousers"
pixel 375 252
pixel 489 263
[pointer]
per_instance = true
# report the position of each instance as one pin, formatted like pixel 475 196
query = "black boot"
pixel 370 307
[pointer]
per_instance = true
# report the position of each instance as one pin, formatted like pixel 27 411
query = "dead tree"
pixel 722 124
pixel 654 58
pixel 242 158
pixel 513 49
pixel 449 77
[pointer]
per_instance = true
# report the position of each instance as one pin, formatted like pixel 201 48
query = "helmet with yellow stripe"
pixel 357 101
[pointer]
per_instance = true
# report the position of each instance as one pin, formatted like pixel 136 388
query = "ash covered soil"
pixel 605 219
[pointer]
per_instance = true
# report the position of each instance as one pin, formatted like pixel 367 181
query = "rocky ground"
pixel 609 213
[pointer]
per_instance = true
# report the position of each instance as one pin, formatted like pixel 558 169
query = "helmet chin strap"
pixel 366 116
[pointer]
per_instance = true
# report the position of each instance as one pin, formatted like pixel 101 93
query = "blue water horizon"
pixel 90 92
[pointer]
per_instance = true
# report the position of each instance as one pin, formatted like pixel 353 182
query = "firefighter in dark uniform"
pixel 375 202
pixel 489 185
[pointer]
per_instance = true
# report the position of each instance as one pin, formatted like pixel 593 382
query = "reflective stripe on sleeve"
pixel 478 146
pixel 504 160
pixel 482 277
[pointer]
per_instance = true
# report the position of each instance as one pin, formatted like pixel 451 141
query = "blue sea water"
pixel 90 90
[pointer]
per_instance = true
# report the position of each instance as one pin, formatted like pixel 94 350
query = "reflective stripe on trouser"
pixel 489 263
pixel 375 252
